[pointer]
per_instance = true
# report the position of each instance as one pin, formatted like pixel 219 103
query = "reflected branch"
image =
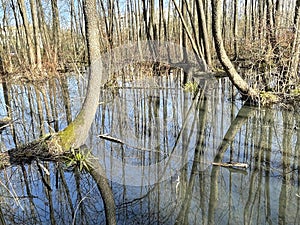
pixel 242 117
pixel 98 174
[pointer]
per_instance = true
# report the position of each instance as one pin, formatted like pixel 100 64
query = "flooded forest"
pixel 149 112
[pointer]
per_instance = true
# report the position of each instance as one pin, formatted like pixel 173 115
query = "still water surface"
pixel 159 168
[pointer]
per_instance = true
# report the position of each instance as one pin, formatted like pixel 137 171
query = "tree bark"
pixel 203 31
pixel 44 33
pixel 296 14
pixel 182 31
pixel 36 34
pixel 235 78
pixel 235 29
pixel 198 53
pixel 55 30
pixel 73 136
pixel 77 132
pixel 30 51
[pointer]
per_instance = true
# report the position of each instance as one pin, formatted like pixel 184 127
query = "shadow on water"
pixel 156 143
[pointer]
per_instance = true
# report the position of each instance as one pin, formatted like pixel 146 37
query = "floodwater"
pixel 156 143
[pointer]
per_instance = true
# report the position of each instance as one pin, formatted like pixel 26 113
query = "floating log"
pixel 231 164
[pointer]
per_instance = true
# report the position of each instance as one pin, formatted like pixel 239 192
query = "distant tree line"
pixel 259 36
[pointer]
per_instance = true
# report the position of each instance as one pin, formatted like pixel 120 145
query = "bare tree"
pixel 55 30
pixel 36 34
pixel 235 28
pixel 235 78
pixel 30 50
pixel 296 12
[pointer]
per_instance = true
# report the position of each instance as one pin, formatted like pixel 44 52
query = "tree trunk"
pixel 235 78
pixel 30 51
pixel 111 10
pixel 76 133
pixel 72 136
pixel 162 22
pixel 55 30
pixel 294 62
pixel 296 14
pixel 203 31
pixel 182 31
pixel 36 34
pixel 198 53
pixel 270 25
pixel 235 29
pixel 43 29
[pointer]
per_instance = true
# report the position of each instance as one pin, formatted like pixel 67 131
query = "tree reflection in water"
pixel 155 114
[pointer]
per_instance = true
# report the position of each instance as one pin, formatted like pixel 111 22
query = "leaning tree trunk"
pixel 235 78
pixel 72 136
pixel 77 132
pixel 203 31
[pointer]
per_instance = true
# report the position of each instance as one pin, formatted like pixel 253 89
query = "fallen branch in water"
pixel 232 164
pixel 119 141
pixel 110 138
pixel 5 122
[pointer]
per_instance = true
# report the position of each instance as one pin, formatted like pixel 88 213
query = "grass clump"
pixel 191 87
pixel 267 97
pixel 79 158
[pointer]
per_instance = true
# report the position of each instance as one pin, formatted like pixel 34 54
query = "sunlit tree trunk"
pixel 162 22
pixel 118 19
pixel 5 49
pixel 36 34
pixel 77 132
pixel 19 40
pixel 44 32
pixel 253 19
pixel 55 30
pixel 182 31
pixel 30 50
pixel 246 22
pixel 235 78
pixel 277 17
pixel 203 31
pixel 145 18
pixel 224 21
pixel 235 29
pixel 72 24
pixel 111 11
pixel 152 24
pixel 198 53
pixel 270 24
pixel 294 62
